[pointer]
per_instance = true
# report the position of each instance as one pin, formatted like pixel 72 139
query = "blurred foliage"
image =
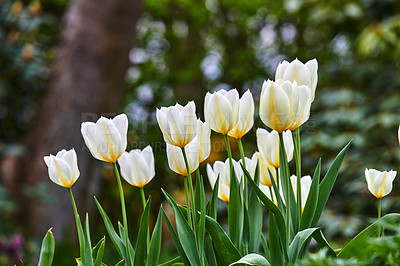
pixel 185 48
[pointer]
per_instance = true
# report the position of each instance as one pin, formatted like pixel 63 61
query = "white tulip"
pixel 204 141
pixel 266 170
pixel 268 145
pixel 137 166
pixel 63 168
pixel 246 116
pixel 106 139
pixel 251 164
pixel 178 124
pixel 379 183
pixel 305 184
pixel 221 110
pixel 284 105
pixel 304 74
pixel 267 191
pixel 222 169
pixel 176 161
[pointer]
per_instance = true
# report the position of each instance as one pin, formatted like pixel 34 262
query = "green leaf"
pixel 121 263
pixel 275 251
pixel 225 251
pixel 265 246
pixel 209 251
pixel 141 246
pixel 118 243
pixel 302 238
pixel 155 242
pixel 255 226
pixel 361 239
pixel 327 183
pixel 270 206
pixel 170 262
pixel 214 200
pixel 131 251
pixel 47 249
pixel 312 200
pixel 235 212
pixel 87 258
pixel 201 201
pixel 252 259
pixel 175 238
pixel 98 252
pixel 186 235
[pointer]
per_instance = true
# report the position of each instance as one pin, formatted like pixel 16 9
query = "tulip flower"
pixel 63 168
pixel 221 110
pixel 137 167
pixel 284 105
pixel 176 161
pixel 251 164
pixel 268 146
pixel 106 139
pixel 305 184
pixel 203 140
pixel 379 183
pixel 178 123
pixel 222 169
pixel 304 74
pixel 246 116
pixel 266 170
pixel 269 192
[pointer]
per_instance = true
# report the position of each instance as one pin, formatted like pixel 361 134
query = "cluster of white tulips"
pixel 284 106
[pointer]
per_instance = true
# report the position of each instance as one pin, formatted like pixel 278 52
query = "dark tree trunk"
pixel 87 81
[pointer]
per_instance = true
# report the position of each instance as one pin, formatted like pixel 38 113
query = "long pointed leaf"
pixel 98 252
pixel 255 226
pixel 118 244
pixel 155 242
pixel 253 260
pixel 209 251
pixel 202 222
pixel 175 238
pixel 141 247
pixel 47 249
pixel 235 212
pixel 275 251
pixel 186 235
pixel 214 200
pixel 327 183
pixel 312 200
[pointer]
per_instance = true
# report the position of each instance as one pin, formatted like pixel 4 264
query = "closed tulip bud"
pixel 221 110
pixel 106 139
pixel 63 168
pixel 204 141
pixel 268 146
pixel 176 161
pixel 266 170
pixel 178 123
pixel 246 116
pixel 304 74
pixel 137 167
pixel 305 184
pixel 379 183
pixel 284 105
pixel 251 164
pixel 222 169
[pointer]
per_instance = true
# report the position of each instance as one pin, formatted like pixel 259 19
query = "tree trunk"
pixel 87 81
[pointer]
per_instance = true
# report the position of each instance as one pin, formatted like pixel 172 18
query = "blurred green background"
pixel 184 48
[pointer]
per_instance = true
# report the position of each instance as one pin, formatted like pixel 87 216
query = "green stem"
pixel 76 217
pixel 272 194
pixel 189 216
pixel 125 220
pixel 244 164
pixel 379 216
pixel 228 149
pixel 296 141
pixel 284 170
pixel 277 179
pixel 143 197
pixel 191 206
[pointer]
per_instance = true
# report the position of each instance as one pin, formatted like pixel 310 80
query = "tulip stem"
pixel 78 225
pixel 191 206
pixel 379 216
pixel 240 144
pixel 228 149
pixel 285 172
pixel 125 220
pixel 143 197
pixel 297 153
pixel 189 216
pixel 277 179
